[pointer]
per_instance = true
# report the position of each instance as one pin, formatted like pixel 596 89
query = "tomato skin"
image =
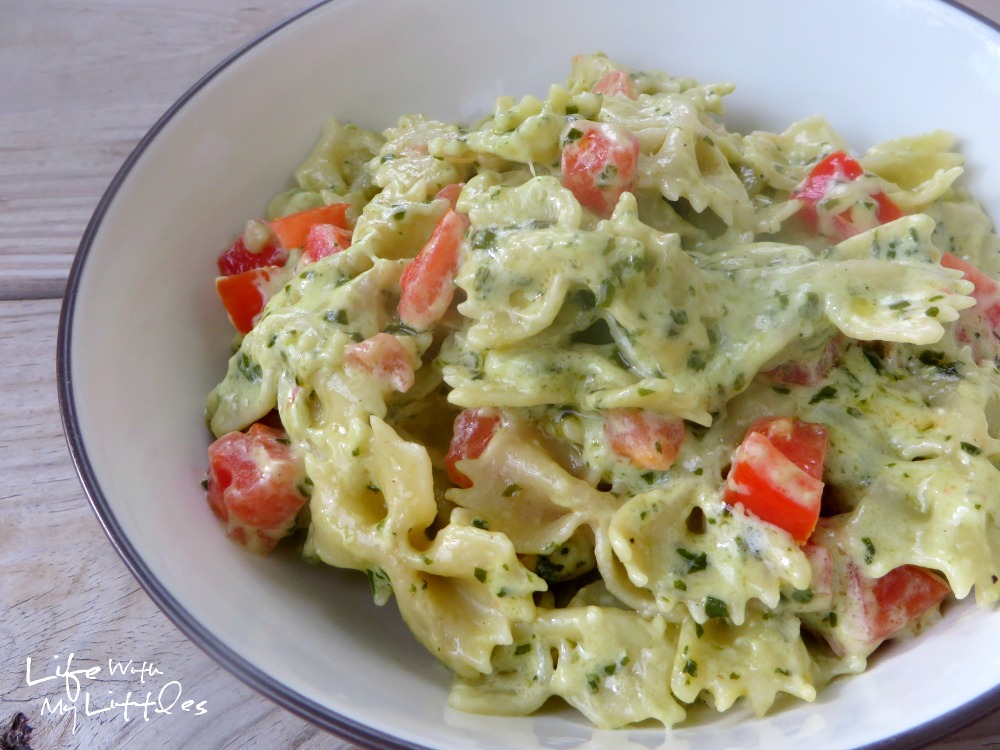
pixel 899 597
pixel 383 357
pixel 237 258
pixel 776 474
pixel 616 82
pixel 245 294
pixel 648 440
pixel 978 326
pixel 802 443
pixel 472 432
pixel 599 162
pixel 323 240
pixel 255 486
pixel 834 169
pixel 292 230
pixel 426 286
pixel 450 193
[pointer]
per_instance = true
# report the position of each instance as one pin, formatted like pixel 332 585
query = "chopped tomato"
pixel 451 193
pixel 897 598
pixel 616 82
pixel 383 357
pixel 824 213
pixel 599 163
pixel 979 325
pixel 807 371
pixel 776 474
pixel 256 485
pixel 324 240
pixel 473 430
pixel 238 258
pixel 426 286
pixel 245 294
pixel 871 610
pixel 293 229
pixel 647 439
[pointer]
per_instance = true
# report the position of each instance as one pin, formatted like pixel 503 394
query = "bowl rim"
pixel 321 716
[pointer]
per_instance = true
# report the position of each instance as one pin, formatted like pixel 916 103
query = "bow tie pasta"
pixel 618 405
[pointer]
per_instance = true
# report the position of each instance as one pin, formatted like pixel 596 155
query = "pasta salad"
pixel 621 406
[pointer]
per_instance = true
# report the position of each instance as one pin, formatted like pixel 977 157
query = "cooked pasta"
pixel 621 406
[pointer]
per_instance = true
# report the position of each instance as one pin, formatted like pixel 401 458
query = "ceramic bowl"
pixel 142 339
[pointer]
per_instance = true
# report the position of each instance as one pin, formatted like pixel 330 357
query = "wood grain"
pixel 80 83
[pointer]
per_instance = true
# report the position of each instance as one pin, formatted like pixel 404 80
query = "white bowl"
pixel 142 339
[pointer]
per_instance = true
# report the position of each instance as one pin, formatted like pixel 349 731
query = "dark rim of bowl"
pixel 323 717
pixel 171 607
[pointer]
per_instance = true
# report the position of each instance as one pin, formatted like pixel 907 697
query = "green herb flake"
pixel 803 596
pixel 716 607
pixel 521 649
pixel 249 368
pixel 336 316
pixel 824 393
pixel 480 575
pixel 869 549
pixel 696 561
pixel 972 450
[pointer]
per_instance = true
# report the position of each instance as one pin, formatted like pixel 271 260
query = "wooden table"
pixel 80 82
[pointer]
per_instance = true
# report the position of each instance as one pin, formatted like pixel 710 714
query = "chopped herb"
pixel 690 667
pixel 511 489
pixel 521 649
pixel 400 329
pixel 306 488
pixel 826 392
pixel 972 450
pixel 696 361
pixel 716 607
pixel 336 316
pixel 249 368
pixel 696 562
pixel 480 575
pixel 480 523
pixel 803 596
pixel 869 549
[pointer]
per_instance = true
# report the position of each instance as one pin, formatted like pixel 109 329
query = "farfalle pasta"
pixel 618 405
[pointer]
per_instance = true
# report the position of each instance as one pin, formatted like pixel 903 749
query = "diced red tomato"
pixel 842 222
pixel 898 598
pixel 473 430
pixel 385 358
pixel 599 163
pixel 647 439
pixel 807 372
pixel 979 325
pixel 871 610
pixel 245 294
pixel 776 474
pixel 324 240
pixel 293 229
pixel 426 286
pixel 256 486
pixel 451 193
pixel 238 258
pixel 616 82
